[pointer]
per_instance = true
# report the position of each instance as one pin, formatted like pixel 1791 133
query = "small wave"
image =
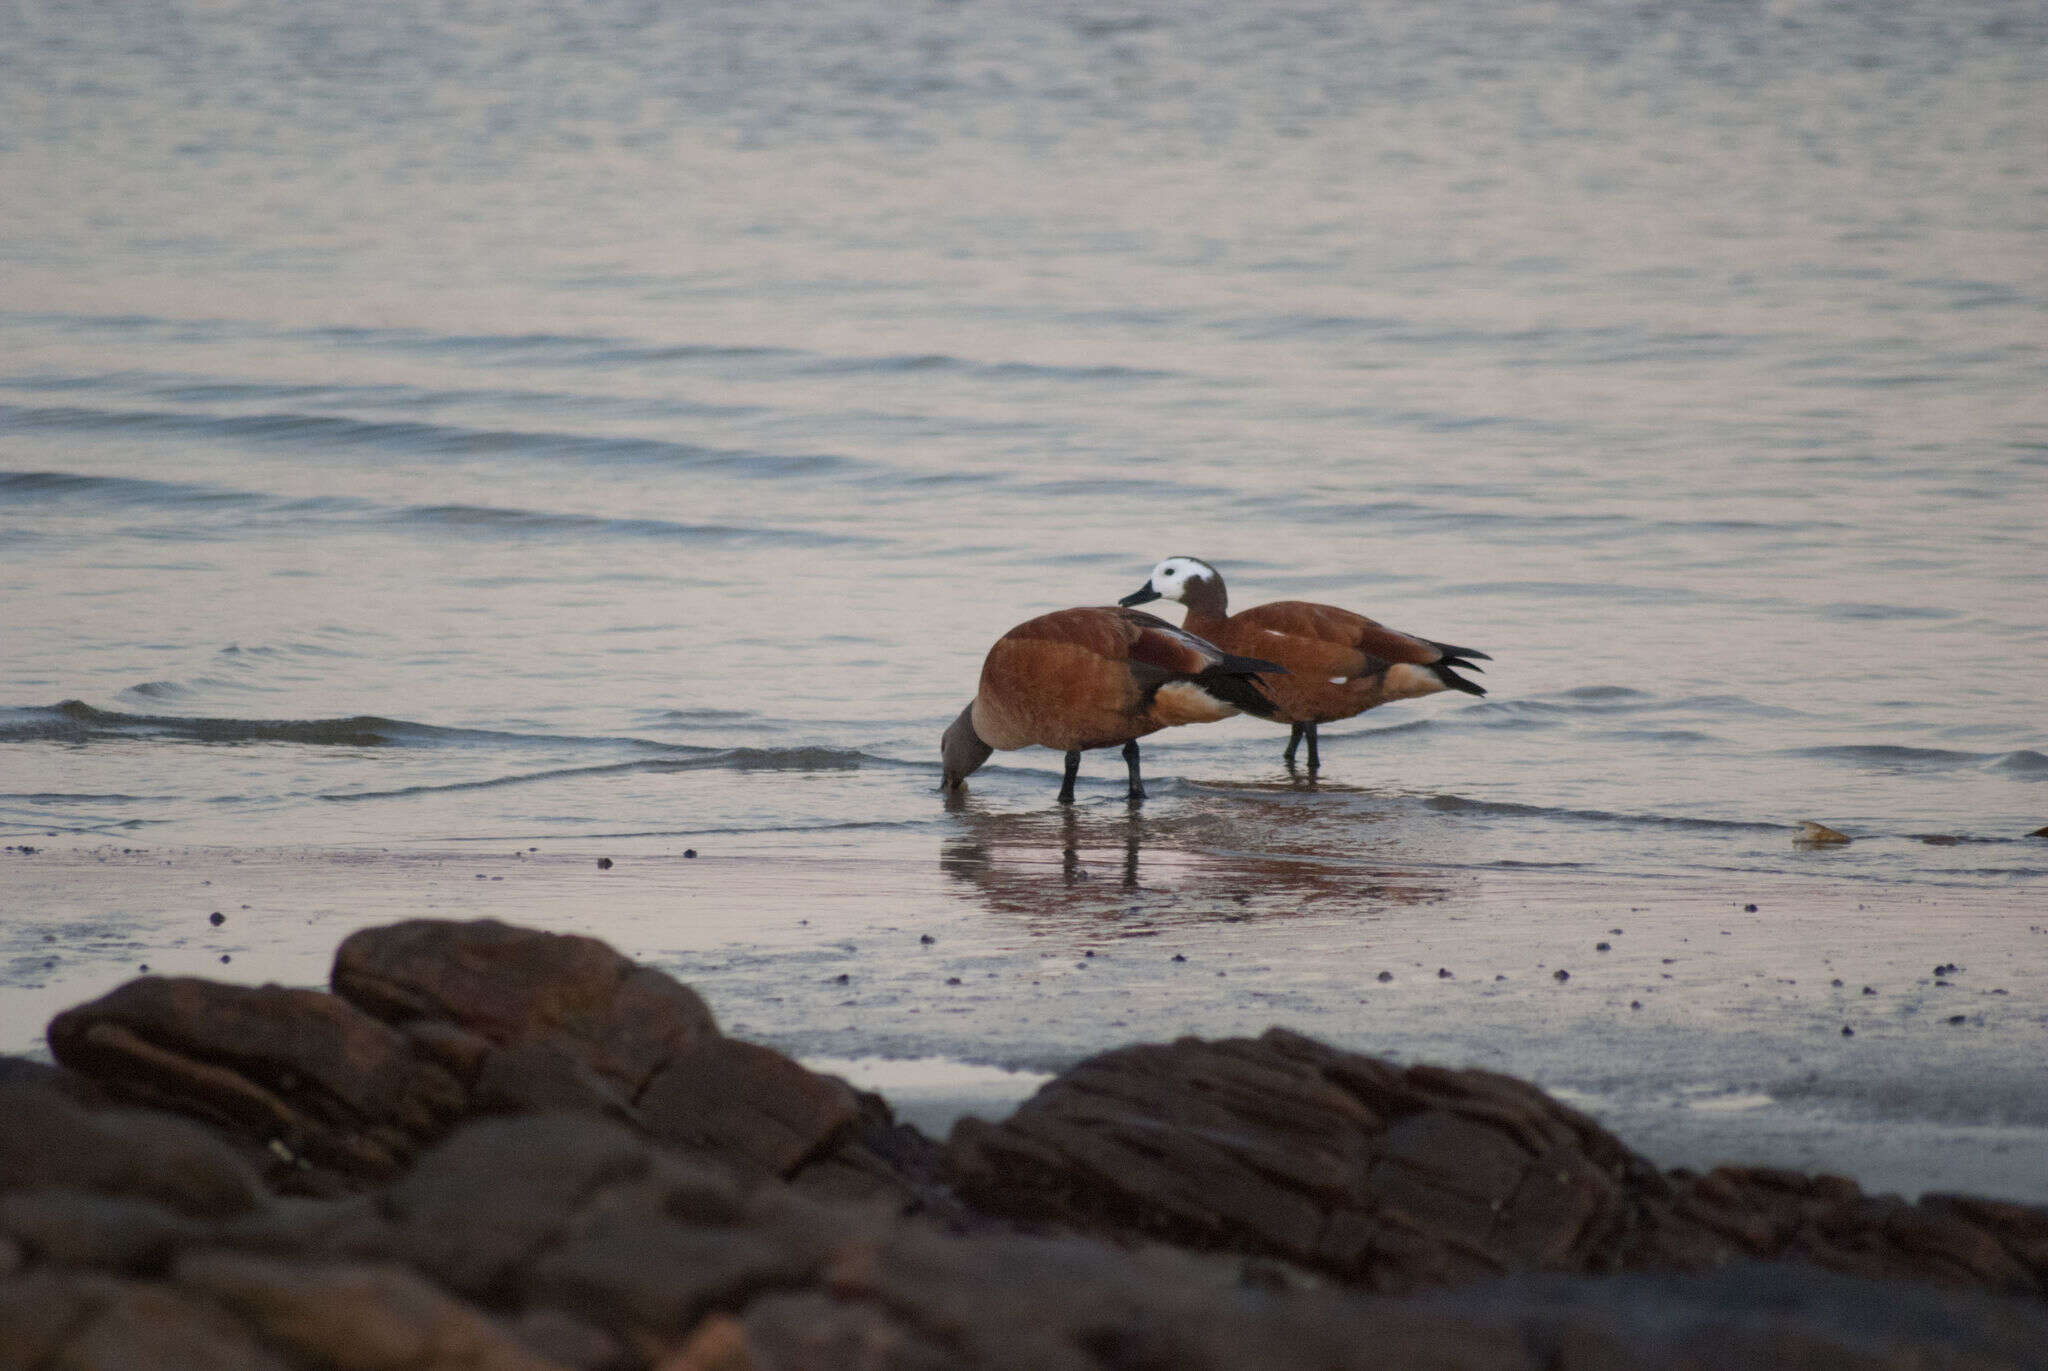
pixel 48 486
pixel 729 759
pixel 1850 612
pixel 1900 758
pixel 2024 762
pixel 904 363
pixel 413 437
pixel 74 721
pixel 265 510
pixel 1459 804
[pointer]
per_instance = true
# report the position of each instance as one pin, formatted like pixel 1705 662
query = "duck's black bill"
pixel 1142 595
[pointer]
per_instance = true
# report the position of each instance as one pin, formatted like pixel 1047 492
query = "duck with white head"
pixel 1338 663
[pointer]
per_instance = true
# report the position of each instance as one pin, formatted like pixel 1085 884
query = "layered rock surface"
pixel 493 1147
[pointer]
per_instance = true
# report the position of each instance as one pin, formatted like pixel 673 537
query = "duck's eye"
pixel 1171 571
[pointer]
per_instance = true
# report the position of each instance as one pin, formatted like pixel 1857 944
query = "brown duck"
pixel 1339 663
pixel 1078 679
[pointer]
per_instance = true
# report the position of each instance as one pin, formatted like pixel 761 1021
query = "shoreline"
pixel 1037 959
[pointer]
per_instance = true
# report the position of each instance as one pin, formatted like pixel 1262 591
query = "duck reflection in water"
pixel 1081 866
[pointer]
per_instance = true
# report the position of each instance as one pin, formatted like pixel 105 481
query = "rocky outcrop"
pixel 433 1021
pixel 493 1149
pixel 1400 1179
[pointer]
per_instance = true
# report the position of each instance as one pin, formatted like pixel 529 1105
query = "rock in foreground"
pixel 494 1148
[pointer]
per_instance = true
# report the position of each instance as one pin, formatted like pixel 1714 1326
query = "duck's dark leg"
pixel 1314 762
pixel 1131 761
pixel 1293 741
pixel 1067 785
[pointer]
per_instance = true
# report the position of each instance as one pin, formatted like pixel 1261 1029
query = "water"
pixel 622 428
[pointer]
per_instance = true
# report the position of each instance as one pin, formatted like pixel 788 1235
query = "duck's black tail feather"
pixel 1233 681
pixel 1453 680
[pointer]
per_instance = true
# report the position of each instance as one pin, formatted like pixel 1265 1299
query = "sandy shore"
pixel 1703 1030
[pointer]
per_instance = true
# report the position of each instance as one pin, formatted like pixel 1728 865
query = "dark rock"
pixel 514 986
pixel 1388 1177
pixel 747 1105
pixel 48 1138
pixel 1401 1178
pixel 306 1070
pixel 537 1077
pixel 81 1321
pixel 356 1318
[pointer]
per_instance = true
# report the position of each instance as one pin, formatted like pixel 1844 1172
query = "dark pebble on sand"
pixel 841 978
pixel 1089 953
pixel 225 959
pixel 1749 909
pixel 1443 973
pixel 1560 975
pixel 216 918
pixel 1836 983
pixel 1603 947
pixel 143 967
pixel 1848 1032
pixel 927 939
pixel 952 980
pixel 1957 1018
pixel 604 864
pixel 1868 990
pixel 1635 1004
pixel 1947 969
pixel 1386 976
pixel 1179 957
pixel 689 852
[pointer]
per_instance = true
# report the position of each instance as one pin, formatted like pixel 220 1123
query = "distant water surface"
pixel 548 425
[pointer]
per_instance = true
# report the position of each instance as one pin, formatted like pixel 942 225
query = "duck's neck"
pixel 1207 601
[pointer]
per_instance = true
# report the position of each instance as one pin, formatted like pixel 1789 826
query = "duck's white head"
pixel 1172 579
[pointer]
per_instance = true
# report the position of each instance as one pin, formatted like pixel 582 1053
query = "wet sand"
pixel 1696 1027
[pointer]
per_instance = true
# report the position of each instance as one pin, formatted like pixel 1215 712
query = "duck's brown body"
pixel 1338 663
pixel 1078 679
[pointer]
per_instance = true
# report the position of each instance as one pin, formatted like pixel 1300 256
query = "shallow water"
pixel 424 429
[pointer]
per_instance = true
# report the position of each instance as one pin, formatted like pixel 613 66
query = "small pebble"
pixel 1178 957
pixel 1749 909
pixel 927 939
pixel 225 959
pixel 1603 947
pixel 1635 1004
pixel 1443 973
pixel 1956 1018
pixel 1560 975
pixel 1089 953
pixel 689 852
pixel 216 918
pixel 1836 983
pixel 1868 990
pixel 604 864
pixel 1848 1032
pixel 1386 976
pixel 143 967
pixel 952 980
pixel 841 978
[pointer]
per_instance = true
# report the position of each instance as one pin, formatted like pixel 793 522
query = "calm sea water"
pixel 423 422
pixel 609 426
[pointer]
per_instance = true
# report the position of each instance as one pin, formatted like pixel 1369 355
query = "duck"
pixel 1079 679
pixel 1339 663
